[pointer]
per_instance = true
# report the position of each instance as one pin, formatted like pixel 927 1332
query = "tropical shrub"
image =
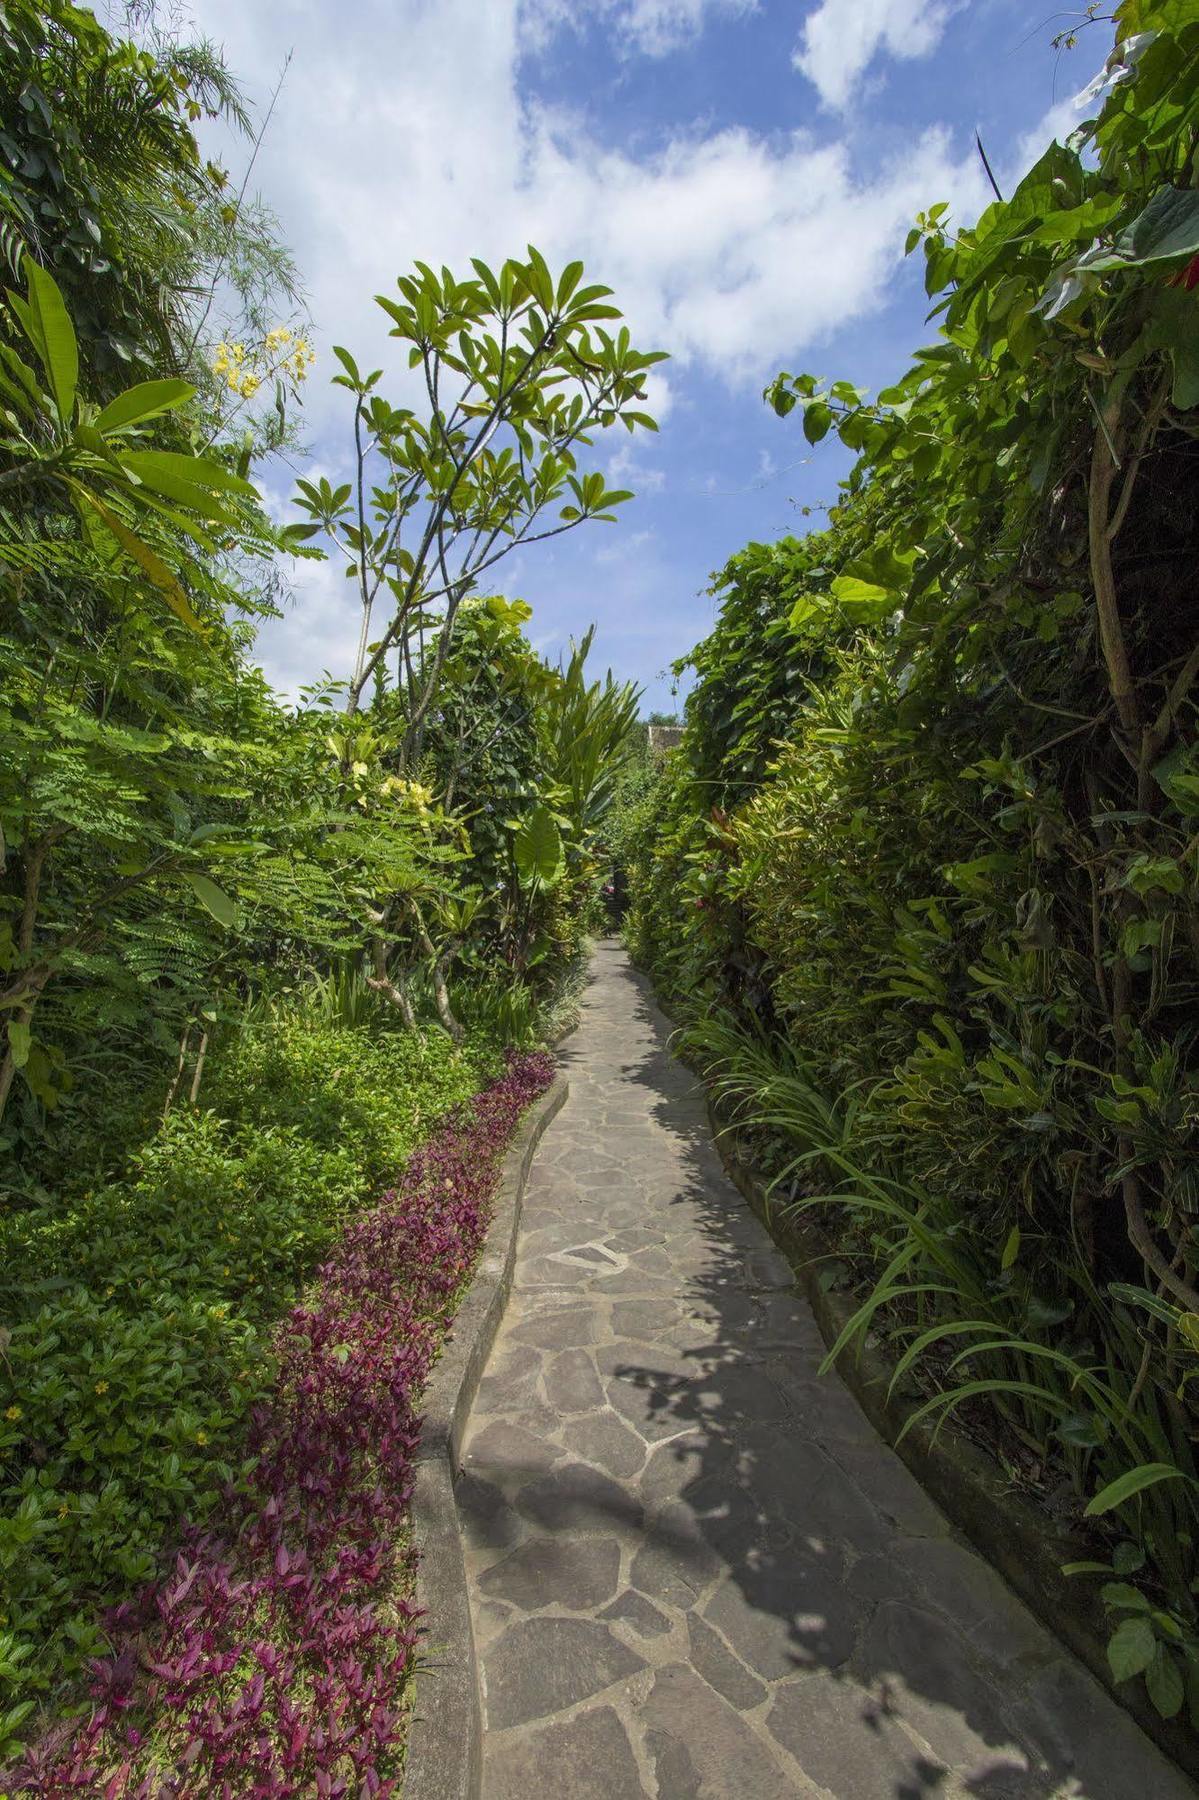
pixel 273 1657
pixel 138 1318
pixel 925 870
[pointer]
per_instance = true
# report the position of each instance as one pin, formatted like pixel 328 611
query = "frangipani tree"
pixel 519 371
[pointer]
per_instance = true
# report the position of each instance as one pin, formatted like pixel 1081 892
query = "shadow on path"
pixel 696 1571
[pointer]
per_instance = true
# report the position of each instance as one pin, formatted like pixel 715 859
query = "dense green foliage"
pixel 249 953
pixel 925 874
pixel 136 1343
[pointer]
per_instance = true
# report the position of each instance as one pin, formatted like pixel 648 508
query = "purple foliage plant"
pixel 272 1659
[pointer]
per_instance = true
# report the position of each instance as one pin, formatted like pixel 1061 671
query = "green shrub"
pixel 140 1314
pixel 375 1094
pixel 926 872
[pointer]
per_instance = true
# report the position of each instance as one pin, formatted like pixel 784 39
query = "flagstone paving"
pixel 696 1572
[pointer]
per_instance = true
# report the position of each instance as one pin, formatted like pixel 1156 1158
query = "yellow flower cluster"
pixel 411 794
pixel 298 353
pixel 229 361
pixel 282 353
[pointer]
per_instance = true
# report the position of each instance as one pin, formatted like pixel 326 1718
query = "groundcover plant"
pixel 274 1655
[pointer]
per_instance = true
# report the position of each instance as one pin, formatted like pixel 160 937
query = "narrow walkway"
pixel 696 1572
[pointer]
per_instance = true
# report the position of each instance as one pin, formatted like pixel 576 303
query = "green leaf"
pixel 806 608
pixel 538 848
pixel 18 1041
pixel 202 471
pixel 1131 1648
pixel 174 487
pixel 145 401
pixel 55 343
pixel 1163 1678
pixel 146 559
pixel 1168 228
pixel 817 420
pixel 1132 1482
pixel 214 899
pixel 864 601
pixel 1011 1249
pixel 568 281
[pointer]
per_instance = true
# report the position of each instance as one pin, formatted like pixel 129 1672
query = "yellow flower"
pixel 12 1414
pixel 64 1512
pixel 101 1387
pixel 201 1438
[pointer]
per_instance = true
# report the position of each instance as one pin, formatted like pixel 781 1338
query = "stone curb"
pixel 445 1739
pixel 1015 1537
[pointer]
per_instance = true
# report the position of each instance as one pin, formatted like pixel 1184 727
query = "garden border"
pixel 444 1759
pixel 1016 1538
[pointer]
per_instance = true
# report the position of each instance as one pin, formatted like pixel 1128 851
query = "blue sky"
pixel 741 174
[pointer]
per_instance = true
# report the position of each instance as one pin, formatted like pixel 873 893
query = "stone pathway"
pixel 696 1572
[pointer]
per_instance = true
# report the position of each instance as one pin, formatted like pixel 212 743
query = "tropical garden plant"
pixel 924 873
pixel 236 934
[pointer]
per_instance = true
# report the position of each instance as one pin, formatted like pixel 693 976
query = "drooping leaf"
pixel 147 400
pixel 214 900
pixel 18 1041
pixel 1168 228
pixel 55 341
pixel 147 560
pixel 1132 1482
pixel 1163 1679
pixel 1131 1648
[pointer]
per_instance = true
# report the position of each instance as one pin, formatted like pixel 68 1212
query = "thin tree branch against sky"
pixel 743 175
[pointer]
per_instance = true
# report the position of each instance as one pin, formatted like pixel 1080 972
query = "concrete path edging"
pixel 1016 1538
pixel 444 1757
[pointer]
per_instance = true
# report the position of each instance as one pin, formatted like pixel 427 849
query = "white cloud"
pixel 649 27
pixel 842 37
pixel 402 132
pixel 627 469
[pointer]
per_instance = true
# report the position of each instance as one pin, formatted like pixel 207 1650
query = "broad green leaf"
pixel 214 899
pixel 817 420
pixel 538 848
pixel 1168 228
pixel 1163 1678
pixel 203 471
pixel 806 609
pixel 864 601
pixel 1133 1481
pixel 146 559
pixel 145 401
pixel 1131 1648
pixel 18 1041
pixel 166 480
pixel 56 341
pixel 1011 1249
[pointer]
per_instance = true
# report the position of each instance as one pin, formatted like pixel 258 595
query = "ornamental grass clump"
pixel 272 1659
